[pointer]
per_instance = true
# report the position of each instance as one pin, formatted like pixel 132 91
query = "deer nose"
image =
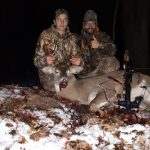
pixel 64 80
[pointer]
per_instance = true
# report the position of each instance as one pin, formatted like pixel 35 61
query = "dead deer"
pixel 99 90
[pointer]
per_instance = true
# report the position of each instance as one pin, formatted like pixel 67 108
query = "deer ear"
pixel 75 69
pixel 48 69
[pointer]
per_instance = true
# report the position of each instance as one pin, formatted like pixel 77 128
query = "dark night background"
pixel 126 21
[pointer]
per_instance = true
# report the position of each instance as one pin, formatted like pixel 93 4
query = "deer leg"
pixel 98 101
pixel 103 97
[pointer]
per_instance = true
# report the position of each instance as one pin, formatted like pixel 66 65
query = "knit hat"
pixel 90 15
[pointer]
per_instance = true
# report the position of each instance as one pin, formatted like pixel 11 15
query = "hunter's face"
pixel 90 26
pixel 61 22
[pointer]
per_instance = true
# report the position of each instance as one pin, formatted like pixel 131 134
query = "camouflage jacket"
pixel 63 47
pixel 92 57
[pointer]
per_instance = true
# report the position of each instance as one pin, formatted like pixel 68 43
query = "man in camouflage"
pixel 98 50
pixel 56 45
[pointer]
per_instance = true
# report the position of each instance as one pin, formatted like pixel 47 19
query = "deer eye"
pixel 68 72
pixel 57 71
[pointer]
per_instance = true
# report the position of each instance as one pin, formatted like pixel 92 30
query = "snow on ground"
pixel 63 128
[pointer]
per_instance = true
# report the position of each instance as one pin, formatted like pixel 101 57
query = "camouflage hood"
pixel 53 30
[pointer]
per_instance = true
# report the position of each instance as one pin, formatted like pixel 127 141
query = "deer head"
pixel 62 71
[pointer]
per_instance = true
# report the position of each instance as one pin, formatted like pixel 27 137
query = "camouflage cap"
pixel 90 15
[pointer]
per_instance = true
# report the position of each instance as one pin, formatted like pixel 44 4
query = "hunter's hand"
pixel 95 43
pixel 50 59
pixel 75 61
